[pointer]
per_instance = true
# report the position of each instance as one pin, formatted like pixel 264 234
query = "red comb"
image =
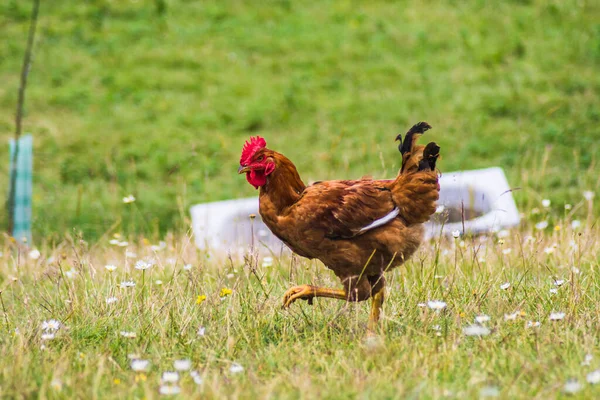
pixel 250 147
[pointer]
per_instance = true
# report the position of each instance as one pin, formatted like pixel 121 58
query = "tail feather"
pixel 416 189
pixel 430 156
pixel 411 152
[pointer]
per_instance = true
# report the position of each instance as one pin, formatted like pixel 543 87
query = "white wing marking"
pixel 381 221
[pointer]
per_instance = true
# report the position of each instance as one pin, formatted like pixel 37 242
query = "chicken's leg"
pixel 308 292
pixel 376 304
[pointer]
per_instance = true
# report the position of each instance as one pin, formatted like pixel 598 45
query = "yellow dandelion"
pixel 557 228
pixel 146 242
pixel 462 314
pixel 225 292
pixel 141 378
pixel 201 297
pixel 117 381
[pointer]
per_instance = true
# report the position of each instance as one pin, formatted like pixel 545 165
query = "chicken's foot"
pixel 308 292
pixel 376 304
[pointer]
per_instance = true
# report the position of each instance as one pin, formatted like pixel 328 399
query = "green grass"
pixel 318 351
pixel 156 98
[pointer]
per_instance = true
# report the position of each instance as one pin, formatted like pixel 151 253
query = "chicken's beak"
pixel 243 169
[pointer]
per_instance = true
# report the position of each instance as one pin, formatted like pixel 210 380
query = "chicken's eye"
pixel 260 158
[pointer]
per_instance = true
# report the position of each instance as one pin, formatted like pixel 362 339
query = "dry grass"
pixel 304 352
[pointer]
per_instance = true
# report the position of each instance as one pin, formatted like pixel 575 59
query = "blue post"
pixel 23 187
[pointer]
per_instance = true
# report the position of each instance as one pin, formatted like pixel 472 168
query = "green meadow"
pixel 155 99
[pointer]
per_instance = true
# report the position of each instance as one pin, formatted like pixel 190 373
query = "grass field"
pixel 155 98
pixel 318 351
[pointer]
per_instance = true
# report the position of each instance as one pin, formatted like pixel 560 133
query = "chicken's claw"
pixel 304 292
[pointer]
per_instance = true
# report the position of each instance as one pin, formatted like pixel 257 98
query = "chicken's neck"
pixel 284 186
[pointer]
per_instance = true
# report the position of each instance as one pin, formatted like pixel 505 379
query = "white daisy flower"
pixel 34 254
pixel 575 224
pixel 532 324
pixel 540 226
pixel 568 206
pixel 456 234
pixel 505 285
pixel 128 335
pixel 126 284
pixel 71 273
pixel 123 244
pixel 559 282
pixel 476 330
pixel 170 377
pixel 545 203
pixel 593 377
pixel 422 305
pixel 507 251
pixel 236 368
pixel 128 199
pixel 158 282
pixel 110 300
pixel 553 290
pixel 588 359
pixel 51 325
pixel 588 195
pixel 440 209
pixel 201 331
pixel 436 305
pixel 481 319
pixel 549 250
pixel 557 316
pixel 48 336
pixel 267 262
pixel 575 270
pixel 110 267
pixel 114 242
pixel 230 276
pixel 159 247
pixel 187 267
pixel 140 365
pixel 142 265
pixel 182 365
pixel 197 378
pixel 130 254
pixel 169 390
pixel 511 317
pixel 572 386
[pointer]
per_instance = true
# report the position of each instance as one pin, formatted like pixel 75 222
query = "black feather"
pixel 418 128
pixel 430 156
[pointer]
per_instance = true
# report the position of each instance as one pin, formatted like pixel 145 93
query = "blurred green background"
pixel 156 98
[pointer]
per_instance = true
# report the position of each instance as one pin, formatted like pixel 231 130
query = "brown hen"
pixel 358 228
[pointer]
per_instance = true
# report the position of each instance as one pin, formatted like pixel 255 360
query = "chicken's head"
pixel 256 161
